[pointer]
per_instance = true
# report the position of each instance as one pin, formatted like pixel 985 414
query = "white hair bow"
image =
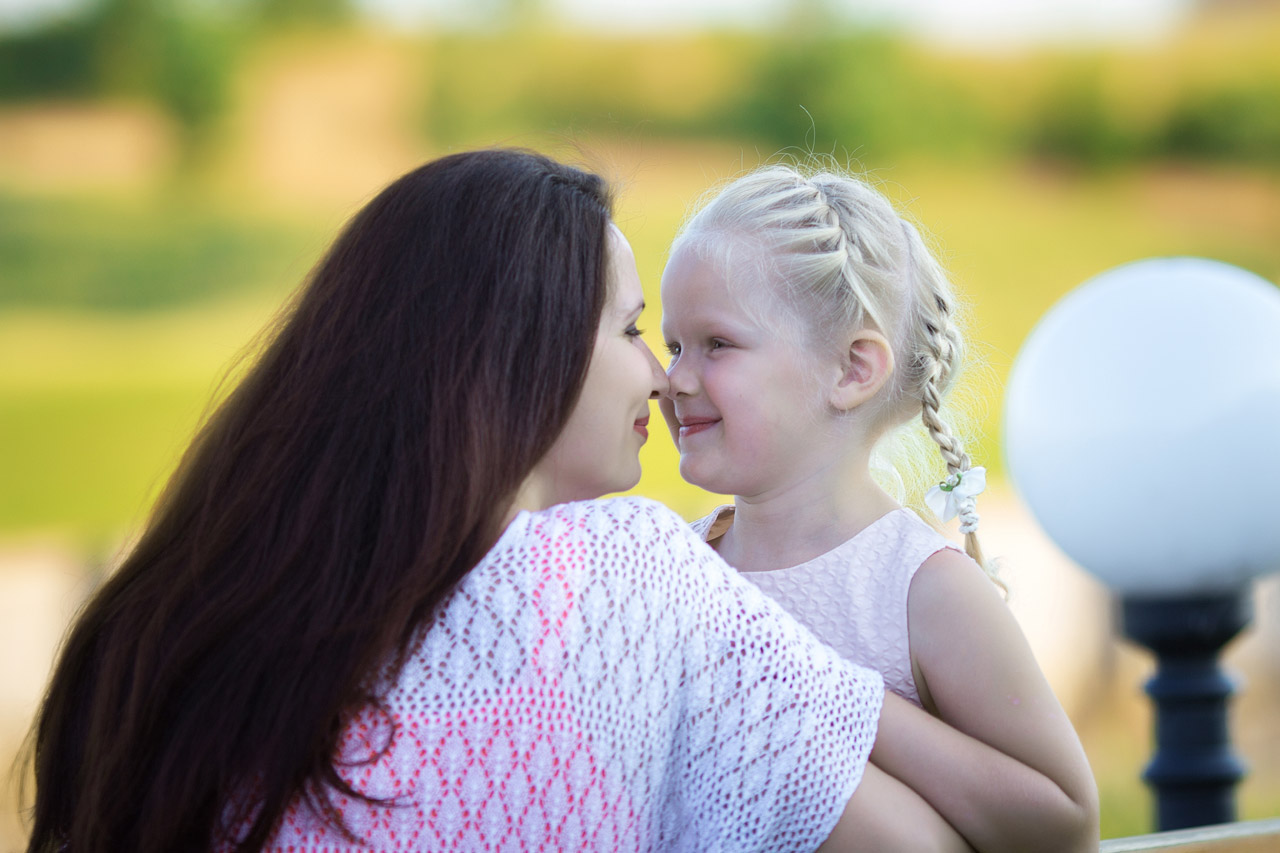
pixel 957 496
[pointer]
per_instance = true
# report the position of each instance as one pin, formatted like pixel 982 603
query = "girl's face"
pixel 744 406
pixel 599 450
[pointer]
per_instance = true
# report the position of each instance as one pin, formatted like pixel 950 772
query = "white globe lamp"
pixel 1142 429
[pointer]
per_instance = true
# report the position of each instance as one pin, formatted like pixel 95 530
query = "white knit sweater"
pixel 603 681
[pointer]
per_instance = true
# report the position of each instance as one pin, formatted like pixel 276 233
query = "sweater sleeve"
pixel 773 729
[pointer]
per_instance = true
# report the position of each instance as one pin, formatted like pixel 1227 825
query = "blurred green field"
pixel 136 253
pixel 99 394
pixel 95 408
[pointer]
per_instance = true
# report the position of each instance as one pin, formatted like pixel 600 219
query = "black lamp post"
pixel 1194 771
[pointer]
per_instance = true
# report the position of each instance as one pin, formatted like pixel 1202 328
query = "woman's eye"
pixel 634 332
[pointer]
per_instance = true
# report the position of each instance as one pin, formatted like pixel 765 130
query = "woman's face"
pixel 599 450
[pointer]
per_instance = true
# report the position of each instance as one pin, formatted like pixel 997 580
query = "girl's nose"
pixel 680 379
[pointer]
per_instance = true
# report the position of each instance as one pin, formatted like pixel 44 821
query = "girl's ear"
pixel 867 365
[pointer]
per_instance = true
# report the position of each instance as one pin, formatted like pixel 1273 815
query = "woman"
pixel 363 614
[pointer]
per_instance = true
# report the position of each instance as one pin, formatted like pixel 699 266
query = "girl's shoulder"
pixel 909 538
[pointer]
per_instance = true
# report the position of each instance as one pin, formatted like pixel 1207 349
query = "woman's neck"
pixel 805 519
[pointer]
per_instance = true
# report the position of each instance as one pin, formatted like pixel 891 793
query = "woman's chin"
pixel 631 480
pixel 623 480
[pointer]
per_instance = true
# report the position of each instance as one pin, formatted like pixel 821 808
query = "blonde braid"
pixel 937 366
pixel 859 262
pixel 943 343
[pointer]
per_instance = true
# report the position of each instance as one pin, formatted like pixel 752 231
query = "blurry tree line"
pixel 179 53
pixel 815 82
pixel 870 93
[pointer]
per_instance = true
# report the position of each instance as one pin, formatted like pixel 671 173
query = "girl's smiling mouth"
pixel 693 426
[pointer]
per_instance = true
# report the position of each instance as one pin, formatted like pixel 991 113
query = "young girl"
pixel 806 321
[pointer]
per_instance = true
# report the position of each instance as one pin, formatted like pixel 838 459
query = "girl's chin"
pixel 704 477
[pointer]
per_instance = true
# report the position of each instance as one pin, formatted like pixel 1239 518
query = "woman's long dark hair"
pixel 361 469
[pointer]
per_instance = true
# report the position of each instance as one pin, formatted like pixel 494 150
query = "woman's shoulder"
pixel 624 536
pixel 620 518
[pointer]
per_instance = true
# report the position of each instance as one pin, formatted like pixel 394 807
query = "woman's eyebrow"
pixel 635 311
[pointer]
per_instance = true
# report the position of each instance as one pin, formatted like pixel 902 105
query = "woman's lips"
pixel 693 426
pixel 642 426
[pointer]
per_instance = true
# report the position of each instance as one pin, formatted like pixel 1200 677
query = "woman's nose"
pixel 660 384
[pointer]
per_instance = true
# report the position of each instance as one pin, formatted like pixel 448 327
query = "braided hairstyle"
pixel 840 257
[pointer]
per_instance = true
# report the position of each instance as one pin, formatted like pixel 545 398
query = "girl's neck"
pixel 804 520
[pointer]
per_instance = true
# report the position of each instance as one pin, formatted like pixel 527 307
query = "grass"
pixel 131 254
pixel 96 409
pixel 100 390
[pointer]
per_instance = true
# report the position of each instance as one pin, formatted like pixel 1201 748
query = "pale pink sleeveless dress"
pixel 854 597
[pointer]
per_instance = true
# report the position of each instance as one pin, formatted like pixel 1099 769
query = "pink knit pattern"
pixel 602 681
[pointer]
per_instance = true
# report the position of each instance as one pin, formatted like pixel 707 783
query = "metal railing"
pixel 1253 836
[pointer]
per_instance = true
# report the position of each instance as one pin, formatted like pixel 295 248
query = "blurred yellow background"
pixel 170 170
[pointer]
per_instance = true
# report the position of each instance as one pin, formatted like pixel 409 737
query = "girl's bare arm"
pixel 1003 763
pixel 885 816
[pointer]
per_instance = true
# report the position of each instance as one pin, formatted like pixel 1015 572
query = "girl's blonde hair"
pixel 840 257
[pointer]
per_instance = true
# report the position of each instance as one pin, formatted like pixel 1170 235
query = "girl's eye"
pixel 673 349
pixel 717 344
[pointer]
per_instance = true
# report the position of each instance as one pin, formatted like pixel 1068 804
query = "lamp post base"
pixel 1194 771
